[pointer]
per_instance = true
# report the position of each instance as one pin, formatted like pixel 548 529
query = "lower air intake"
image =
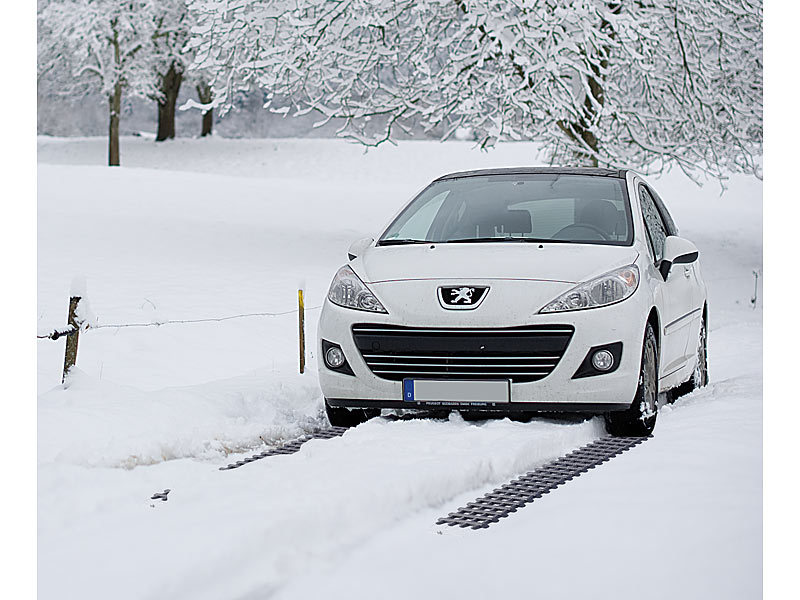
pixel 521 354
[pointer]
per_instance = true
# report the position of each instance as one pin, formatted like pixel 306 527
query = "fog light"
pixel 334 357
pixel 602 360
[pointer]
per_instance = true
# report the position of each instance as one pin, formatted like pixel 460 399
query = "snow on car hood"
pixel 567 263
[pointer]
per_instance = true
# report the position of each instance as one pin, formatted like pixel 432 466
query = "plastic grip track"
pixel 510 497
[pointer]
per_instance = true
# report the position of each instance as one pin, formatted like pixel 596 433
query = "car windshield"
pixel 523 208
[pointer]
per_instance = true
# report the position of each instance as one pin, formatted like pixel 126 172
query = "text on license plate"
pixel 448 390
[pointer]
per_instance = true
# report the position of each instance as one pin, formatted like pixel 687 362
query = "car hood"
pixel 564 263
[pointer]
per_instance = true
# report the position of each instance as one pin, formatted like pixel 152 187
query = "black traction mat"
pixel 510 497
pixel 289 447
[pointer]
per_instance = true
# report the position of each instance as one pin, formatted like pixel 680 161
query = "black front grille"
pixel 522 354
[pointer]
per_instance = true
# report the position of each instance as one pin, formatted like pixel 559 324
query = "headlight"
pixel 607 289
pixel 349 291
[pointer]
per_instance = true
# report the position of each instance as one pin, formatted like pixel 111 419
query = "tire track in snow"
pixel 264 524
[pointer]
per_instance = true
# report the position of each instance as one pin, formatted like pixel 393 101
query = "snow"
pixel 304 508
pixel 77 288
pixel 113 425
pixel 196 229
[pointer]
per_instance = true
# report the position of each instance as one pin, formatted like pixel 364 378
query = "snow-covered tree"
pixel 642 83
pixel 205 98
pixel 205 94
pixel 102 43
pixel 171 25
pixel 170 59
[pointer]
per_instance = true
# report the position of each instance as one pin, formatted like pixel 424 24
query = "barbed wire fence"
pixel 76 326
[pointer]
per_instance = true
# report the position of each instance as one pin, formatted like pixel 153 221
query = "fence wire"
pixel 57 333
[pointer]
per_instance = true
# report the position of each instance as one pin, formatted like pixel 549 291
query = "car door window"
pixel 656 230
pixel 669 223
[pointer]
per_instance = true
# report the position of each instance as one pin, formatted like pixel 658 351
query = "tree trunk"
pixel 170 86
pixel 114 103
pixel 206 95
pixel 208 123
pixel 582 131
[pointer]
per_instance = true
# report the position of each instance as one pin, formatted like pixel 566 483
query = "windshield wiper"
pixel 507 238
pixel 400 242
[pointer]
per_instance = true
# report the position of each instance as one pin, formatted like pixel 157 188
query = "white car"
pixel 518 290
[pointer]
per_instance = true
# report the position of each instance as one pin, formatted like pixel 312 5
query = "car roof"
pixel 596 172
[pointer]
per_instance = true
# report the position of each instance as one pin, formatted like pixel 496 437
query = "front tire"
pixel 640 419
pixel 346 417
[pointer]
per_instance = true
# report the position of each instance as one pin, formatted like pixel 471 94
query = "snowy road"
pixel 164 407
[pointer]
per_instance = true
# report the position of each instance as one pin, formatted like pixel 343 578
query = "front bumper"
pixel 501 408
pixel 559 391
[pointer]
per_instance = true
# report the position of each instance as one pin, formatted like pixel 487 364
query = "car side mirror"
pixel 677 251
pixel 357 247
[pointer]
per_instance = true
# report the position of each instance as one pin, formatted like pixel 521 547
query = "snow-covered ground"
pixel 195 229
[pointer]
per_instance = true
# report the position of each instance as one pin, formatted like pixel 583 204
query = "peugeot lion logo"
pixel 462 297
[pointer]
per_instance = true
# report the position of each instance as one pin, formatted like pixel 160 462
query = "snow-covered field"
pixel 195 229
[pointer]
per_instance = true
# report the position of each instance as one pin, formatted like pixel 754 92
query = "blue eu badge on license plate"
pixel 408 390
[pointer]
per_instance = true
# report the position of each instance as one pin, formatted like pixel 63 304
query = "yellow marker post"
pixel 302 329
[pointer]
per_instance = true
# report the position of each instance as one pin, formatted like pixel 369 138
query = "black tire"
pixel 699 377
pixel 640 419
pixel 347 417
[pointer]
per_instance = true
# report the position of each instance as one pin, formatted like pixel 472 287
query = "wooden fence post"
pixel 302 330
pixel 71 351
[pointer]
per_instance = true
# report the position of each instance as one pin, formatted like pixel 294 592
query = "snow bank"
pixel 102 424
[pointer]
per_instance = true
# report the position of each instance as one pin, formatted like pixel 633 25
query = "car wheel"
pixel 640 419
pixel 700 376
pixel 347 417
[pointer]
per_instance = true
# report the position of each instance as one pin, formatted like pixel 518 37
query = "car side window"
pixel 656 230
pixel 672 229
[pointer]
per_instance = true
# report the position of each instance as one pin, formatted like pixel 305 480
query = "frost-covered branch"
pixel 619 83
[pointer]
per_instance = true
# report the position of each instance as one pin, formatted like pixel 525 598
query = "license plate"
pixel 448 390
